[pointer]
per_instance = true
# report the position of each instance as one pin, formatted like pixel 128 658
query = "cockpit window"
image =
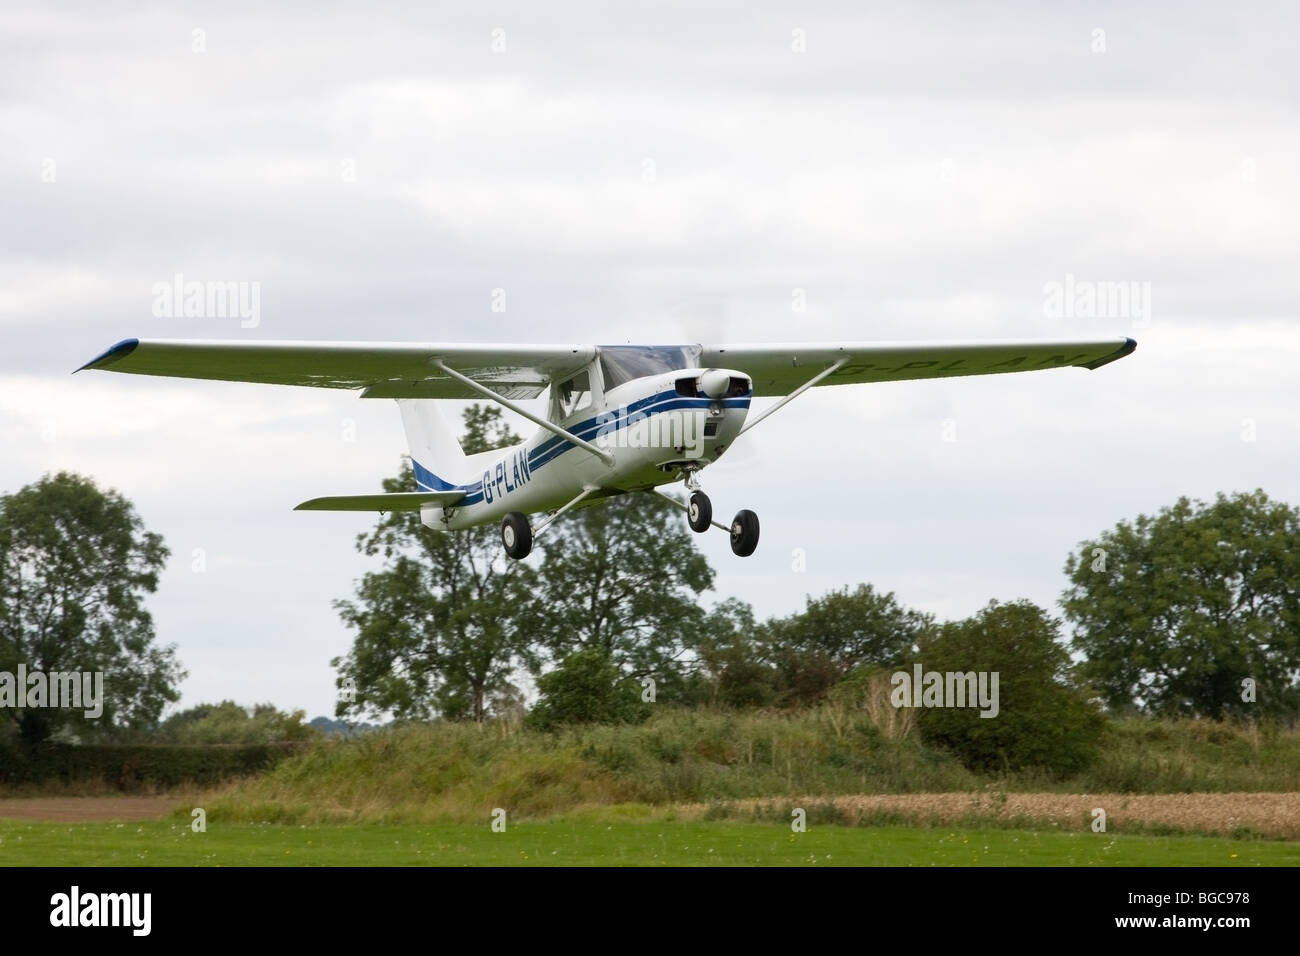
pixel 623 363
pixel 575 394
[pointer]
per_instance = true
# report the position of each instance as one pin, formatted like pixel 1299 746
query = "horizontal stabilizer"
pixel 401 501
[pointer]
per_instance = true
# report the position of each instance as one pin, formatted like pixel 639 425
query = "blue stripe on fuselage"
pixel 555 446
pixel 650 405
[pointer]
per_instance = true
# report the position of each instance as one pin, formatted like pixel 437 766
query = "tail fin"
pixel 436 456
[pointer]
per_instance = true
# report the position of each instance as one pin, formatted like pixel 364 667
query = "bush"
pixel 836 634
pixel 229 723
pixel 1043 721
pixel 587 688
pixel 445 771
pixel 134 767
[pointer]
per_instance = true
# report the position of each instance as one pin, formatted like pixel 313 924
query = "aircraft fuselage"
pixel 655 428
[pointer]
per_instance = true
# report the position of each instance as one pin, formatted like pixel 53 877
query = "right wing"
pixel 381 369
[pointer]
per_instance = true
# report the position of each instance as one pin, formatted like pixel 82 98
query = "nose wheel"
pixel 699 512
pixel 699 515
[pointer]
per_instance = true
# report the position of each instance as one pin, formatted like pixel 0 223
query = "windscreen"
pixel 622 363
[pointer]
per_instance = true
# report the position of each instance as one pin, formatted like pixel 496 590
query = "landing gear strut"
pixel 517 534
pixel 699 515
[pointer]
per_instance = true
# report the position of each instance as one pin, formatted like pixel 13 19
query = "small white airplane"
pixel 621 418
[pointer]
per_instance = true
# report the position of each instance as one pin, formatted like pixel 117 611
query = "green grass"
pixel 1144 755
pixel 567 843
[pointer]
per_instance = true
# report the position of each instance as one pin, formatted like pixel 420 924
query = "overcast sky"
pixel 669 175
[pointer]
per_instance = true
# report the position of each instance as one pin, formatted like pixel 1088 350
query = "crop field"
pixel 1268 815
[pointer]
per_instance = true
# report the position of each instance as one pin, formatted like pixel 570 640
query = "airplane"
pixel 619 418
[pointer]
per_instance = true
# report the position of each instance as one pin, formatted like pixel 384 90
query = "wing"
pixel 401 370
pixel 780 369
pixel 394 501
pixel 380 369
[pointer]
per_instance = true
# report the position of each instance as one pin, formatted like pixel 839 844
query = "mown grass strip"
pixel 648 843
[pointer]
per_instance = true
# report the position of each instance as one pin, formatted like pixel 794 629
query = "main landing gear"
pixel 516 535
pixel 699 515
pixel 744 533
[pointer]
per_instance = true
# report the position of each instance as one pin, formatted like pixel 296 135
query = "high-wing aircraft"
pixel 619 418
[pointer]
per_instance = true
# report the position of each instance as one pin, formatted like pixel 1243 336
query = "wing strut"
pixel 586 490
pixel 793 395
pixel 486 392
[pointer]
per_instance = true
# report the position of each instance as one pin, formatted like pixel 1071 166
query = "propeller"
pixel 706 320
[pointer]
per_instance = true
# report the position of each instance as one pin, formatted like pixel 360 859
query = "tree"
pixel 75 566
pixel 446 622
pixel 1042 719
pixel 623 577
pixel 734 670
pixel 587 688
pixel 838 633
pixel 229 723
pixel 1175 612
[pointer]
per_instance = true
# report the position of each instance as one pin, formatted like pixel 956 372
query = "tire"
pixel 744 533
pixel 699 512
pixel 517 535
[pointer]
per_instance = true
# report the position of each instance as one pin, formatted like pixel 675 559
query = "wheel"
pixel 516 535
pixel 700 512
pixel 744 533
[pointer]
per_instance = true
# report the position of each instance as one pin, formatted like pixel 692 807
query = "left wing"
pixel 780 369
pixel 381 369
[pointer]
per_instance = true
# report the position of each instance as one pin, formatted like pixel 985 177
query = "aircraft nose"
pixel 715 382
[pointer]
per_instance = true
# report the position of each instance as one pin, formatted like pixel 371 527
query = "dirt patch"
pixel 1271 814
pixel 85 809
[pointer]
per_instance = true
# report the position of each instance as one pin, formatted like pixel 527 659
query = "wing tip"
pixel 316 504
pixel 114 354
pixel 1126 349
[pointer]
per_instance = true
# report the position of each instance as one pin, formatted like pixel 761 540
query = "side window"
pixel 574 395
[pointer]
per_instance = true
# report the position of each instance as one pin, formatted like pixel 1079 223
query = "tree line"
pixel 1193 611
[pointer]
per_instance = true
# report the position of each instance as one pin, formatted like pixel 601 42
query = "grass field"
pixel 696 788
pixel 570 843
